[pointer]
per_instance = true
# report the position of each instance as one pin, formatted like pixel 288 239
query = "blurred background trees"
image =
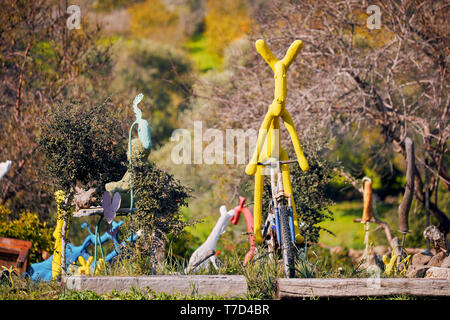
pixel 361 90
pixel 390 83
pixel 42 62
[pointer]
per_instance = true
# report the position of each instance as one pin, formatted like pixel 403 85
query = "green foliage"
pixel 331 265
pixel 362 152
pixel 42 63
pixel 81 144
pixel 225 21
pixel 204 59
pixel 27 227
pixel 158 200
pixel 346 233
pixel 309 188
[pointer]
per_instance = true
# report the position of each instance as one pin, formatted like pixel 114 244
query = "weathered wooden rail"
pixel 336 288
pixel 223 285
pixel 236 286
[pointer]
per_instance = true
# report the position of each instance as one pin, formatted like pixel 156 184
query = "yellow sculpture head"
pixel 279 68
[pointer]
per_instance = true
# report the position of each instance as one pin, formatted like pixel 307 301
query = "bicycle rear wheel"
pixel 287 247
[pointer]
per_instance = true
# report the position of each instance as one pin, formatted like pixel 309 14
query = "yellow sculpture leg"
pixel 57 234
pixel 251 167
pixel 56 261
pixel 288 189
pixel 257 207
pixel 275 138
pixel 84 267
pixel 303 163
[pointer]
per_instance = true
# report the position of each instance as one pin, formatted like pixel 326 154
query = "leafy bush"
pixel 158 200
pixel 309 188
pixel 81 143
pixel 27 227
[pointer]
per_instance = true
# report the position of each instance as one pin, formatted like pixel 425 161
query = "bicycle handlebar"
pixel 275 162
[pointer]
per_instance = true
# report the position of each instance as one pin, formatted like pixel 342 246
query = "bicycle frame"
pixel 279 198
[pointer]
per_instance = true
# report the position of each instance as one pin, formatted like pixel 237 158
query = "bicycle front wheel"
pixel 287 247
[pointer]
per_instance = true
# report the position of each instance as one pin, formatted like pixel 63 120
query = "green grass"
pixel 204 60
pixel 348 233
pixel 261 278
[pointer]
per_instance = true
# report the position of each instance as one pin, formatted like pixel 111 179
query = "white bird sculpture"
pixel 205 254
pixel 4 168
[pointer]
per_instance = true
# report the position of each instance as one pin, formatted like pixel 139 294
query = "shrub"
pixel 81 143
pixel 309 188
pixel 27 227
pixel 158 200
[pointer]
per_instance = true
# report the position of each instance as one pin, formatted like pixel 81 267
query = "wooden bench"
pixel 15 253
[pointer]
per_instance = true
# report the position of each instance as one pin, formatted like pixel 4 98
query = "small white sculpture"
pixel 4 168
pixel 206 254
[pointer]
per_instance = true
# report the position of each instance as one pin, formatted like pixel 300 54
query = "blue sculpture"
pixel 43 270
pixel 144 131
pixel 138 148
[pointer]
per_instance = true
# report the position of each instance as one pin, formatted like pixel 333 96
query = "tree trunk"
pixel 405 205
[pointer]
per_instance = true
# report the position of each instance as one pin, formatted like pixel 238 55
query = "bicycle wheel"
pixel 269 238
pixel 287 247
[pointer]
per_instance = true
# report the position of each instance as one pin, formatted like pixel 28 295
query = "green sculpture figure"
pixel 138 149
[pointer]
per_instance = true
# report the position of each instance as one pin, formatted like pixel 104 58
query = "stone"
pixel 355 254
pixel 437 260
pixel 436 237
pixel 416 271
pixel 335 250
pixel 438 273
pixel 380 250
pixel 413 251
pixel 446 263
pixel 420 259
pixel 83 199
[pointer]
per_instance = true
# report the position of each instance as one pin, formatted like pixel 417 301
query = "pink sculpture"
pixel 249 221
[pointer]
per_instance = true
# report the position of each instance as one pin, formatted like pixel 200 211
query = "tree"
pixel 225 21
pixel 159 197
pixel 82 145
pixel 42 62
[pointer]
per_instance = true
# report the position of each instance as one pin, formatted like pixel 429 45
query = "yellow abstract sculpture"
pixel 395 264
pixel 100 266
pixel 268 142
pixel 85 265
pixel 57 234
